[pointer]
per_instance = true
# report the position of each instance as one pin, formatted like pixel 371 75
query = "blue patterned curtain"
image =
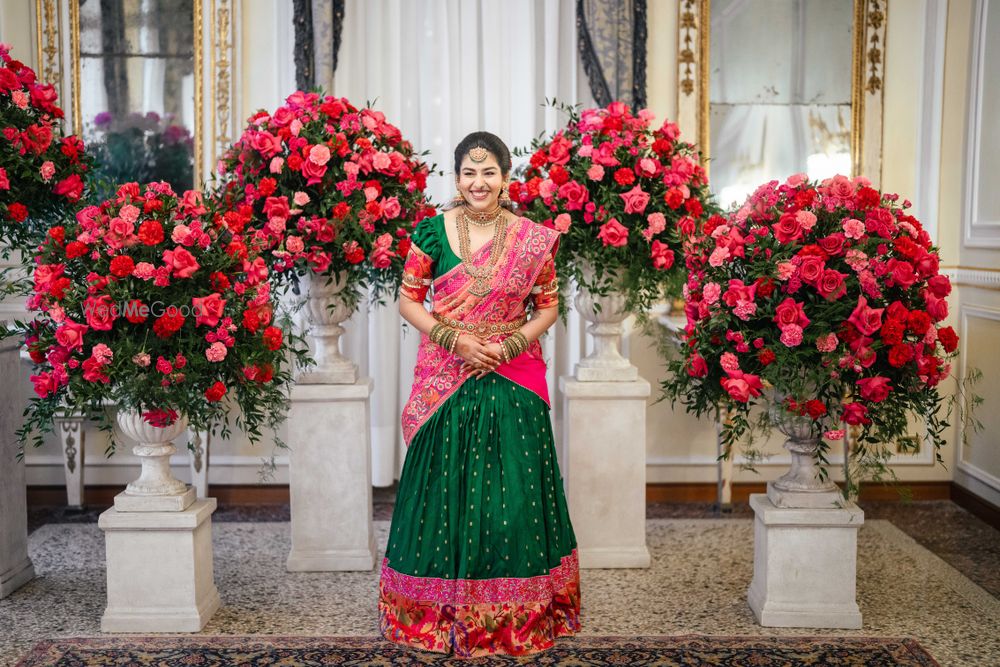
pixel 611 36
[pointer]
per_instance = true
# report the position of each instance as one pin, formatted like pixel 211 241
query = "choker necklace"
pixel 482 219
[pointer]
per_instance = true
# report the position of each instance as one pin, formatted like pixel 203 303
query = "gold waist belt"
pixel 482 328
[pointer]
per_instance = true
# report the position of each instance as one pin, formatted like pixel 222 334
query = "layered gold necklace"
pixel 481 276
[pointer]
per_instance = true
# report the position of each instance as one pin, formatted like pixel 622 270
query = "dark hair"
pixel 490 142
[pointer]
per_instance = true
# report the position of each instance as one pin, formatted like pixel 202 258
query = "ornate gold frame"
pixel 868 62
pixel 59 52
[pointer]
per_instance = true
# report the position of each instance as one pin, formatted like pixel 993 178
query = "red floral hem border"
pixel 475 630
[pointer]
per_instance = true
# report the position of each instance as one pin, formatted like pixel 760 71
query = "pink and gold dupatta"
pixel 438 372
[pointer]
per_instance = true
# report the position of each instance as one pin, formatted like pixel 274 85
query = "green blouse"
pixel 431 237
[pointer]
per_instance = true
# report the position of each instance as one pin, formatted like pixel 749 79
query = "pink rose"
pixel 180 262
pixel 381 161
pixel 595 173
pixel 806 219
pixel 790 312
pixel 711 293
pixel 575 195
pixel 295 244
pixel 612 233
pixel 4 181
pixel 791 335
pixel 663 256
pixel 866 320
pixel 874 389
pixel 70 334
pixel 208 310
pixel 853 229
pixel 300 198
pixel 100 312
pixel 729 362
pixel 276 165
pixel 785 270
pixel 827 342
pixel 831 284
pixel 742 386
pixel 635 200
pixel 391 208
pixel 562 222
pixel 47 170
pixel 381 257
pixel 265 143
pixel 313 172
pixel 795 180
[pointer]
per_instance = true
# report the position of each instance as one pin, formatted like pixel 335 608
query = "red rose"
pixel 697 366
pixel 122 266
pixel 215 393
pixel 866 320
pixel 854 414
pixel 267 186
pixel 76 249
pixel 574 194
pixel 57 234
pixel 181 262
pixel 694 207
pixel 940 286
pixel 559 175
pixel 831 284
pixel 663 256
pixel 948 338
pixel 918 322
pixel 874 389
pixel 276 207
pixel 787 229
pixel 353 252
pixel 272 338
pixel 902 273
pixel 403 247
pixel 673 198
pixel 613 234
pixel 265 372
pixel 811 269
pixel 219 281
pixel 927 264
pixel 936 308
pixel 168 324
pixel 341 210
pixel 833 244
pixel 208 310
pixel 790 312
pixel 251 321
pixel 70 187
pixel 17 212
pixel 625 176
pixel 892 331
pixel 151 232
pixel 100 312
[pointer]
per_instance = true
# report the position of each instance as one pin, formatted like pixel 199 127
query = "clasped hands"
pixel 480 356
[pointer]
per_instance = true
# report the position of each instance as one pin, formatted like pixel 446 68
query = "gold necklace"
pixel 481 275
pixel 482 219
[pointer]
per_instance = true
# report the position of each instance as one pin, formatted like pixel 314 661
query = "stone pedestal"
pixel 330 477
pixel 805 565
pixel 15 566
pixel 160 570
pixel 604 444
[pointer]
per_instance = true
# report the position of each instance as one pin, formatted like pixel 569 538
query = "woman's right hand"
pixel 474 350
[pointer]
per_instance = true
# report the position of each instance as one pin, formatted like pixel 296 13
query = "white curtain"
pixel 440 69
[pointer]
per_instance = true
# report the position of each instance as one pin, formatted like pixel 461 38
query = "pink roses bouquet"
pixel 41 172
pixel 149 302
pixel 320 185
pixel 829 293
pixel 624 196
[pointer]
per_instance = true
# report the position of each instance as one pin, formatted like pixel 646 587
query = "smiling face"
pixel 480 183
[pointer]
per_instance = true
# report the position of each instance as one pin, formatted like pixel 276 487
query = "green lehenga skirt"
pixel 481 556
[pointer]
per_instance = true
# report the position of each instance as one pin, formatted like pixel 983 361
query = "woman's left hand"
pixel 481 370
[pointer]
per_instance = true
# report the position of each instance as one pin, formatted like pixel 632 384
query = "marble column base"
pixel 604 445
pixel 330 478
pixel 160 569
pixel 805 566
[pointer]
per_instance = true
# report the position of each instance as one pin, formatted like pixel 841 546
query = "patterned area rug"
pixel 576 652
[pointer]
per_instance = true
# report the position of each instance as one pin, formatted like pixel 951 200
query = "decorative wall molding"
pixel 693 72
pixel 984 278
pixel 867 88
pixel 965 313
pixel 978 233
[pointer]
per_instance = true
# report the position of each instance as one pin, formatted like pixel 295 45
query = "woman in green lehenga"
pixel 481 556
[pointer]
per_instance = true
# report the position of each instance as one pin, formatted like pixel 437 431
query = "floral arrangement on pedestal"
pixel 823 301
pixel 41 172
pixel 148 302
pixel 141 147
pixel 322 186
pixel 624 195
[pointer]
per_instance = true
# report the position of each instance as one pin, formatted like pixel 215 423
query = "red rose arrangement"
pixel 623 194
pixel 829 293
pixel 323 186
pixel 41 171
pixel 149 302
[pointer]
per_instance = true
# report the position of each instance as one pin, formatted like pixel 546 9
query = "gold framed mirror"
pixel 147 83
pixel 775 87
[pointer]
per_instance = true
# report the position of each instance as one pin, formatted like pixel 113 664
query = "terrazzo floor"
pixel 697 584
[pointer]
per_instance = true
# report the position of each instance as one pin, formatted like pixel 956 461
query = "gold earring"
pixel 459 198
pixel 504 196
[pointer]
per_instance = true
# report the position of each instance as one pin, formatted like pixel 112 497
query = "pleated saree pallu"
pixel 481 556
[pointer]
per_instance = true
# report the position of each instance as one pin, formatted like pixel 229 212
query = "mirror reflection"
pixel 137 89
pixel 780 99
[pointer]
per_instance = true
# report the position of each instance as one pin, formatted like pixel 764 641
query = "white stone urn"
pixel 801 485
pixel 605 314
pixel 326 308
pixel 156 489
